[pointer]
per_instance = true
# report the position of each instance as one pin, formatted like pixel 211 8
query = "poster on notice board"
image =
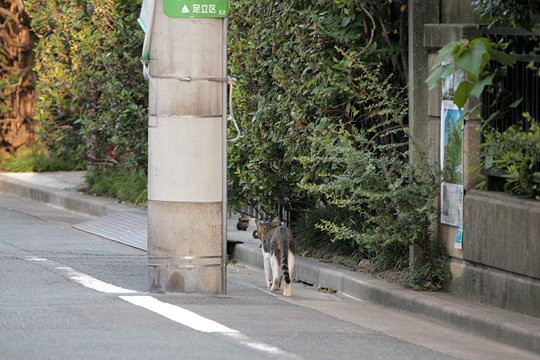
pixel 451 161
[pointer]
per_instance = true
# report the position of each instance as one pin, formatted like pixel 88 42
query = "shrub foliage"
pixel 92 98
pixel 320 99
pixel 300 64
pixel 514 13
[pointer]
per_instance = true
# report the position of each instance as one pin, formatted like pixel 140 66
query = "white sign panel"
pixel 451 164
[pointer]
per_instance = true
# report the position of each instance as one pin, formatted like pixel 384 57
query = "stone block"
pixel 438 35
pixel 434 130
pixel 435 94
pixel 523 295
pixel 454 11
pixel 465 282
pixel 501 231
pixel 533 246
pixel 498 288
pixel 471 154
pixel 309 272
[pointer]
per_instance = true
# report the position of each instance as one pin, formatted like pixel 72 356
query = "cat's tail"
pixel 284 247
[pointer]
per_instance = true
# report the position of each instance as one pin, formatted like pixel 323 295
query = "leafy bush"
pixel 509 13
pixel 472 59
pixel 516 153
pixel 91 95
pixel 303 63
pixel 127 185
pixel 313 241
pixel 389 202
pixel 512 154
pixel 36 160
pixel 320 100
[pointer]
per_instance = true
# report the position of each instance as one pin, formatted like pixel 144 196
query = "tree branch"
pixel 370 41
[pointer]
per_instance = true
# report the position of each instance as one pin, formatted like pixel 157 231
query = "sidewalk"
pixel 60 190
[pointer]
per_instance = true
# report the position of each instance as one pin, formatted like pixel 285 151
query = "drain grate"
pixel 130 228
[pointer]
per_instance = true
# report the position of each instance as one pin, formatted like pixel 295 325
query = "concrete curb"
pixel 496 324
pixel 506 327
pixel 70 200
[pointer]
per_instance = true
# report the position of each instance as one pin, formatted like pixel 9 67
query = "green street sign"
pixel 196 8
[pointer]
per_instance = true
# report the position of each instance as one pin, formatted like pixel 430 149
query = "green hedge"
pixel 320 99
pixel 300 65
pixel 508 13
pixel 92 98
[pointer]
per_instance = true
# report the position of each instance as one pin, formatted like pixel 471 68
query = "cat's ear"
pixel 276 222
pixel 259 225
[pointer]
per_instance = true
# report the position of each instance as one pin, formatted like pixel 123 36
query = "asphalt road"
pixel 65 294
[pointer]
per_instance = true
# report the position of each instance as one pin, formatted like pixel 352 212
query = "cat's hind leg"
pixel 287 291
pixel 276 273
pixel 267 270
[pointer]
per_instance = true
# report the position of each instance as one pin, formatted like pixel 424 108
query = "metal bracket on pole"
pixel 231 82
pixel 189 78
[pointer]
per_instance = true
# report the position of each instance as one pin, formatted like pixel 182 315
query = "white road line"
pixel 93 283
pixel 82 278
pixel 246 341
pixel 171 312
pixel 202 324
pixel 36 259
pixel 178 314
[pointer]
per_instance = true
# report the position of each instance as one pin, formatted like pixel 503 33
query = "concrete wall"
pixel 501 243
pixel 501 250
pixel 456 11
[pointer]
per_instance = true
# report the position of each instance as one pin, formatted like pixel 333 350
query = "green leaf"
pixel 516 103
pixel 473 62
pixel 445 52
pixel 479 86
pixel 435 76
pixel 463 93
pixel 346 20
pixel 501 57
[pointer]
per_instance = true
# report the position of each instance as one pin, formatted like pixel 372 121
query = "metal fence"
pixel 520 86
pixel 520 81
pixel 255 211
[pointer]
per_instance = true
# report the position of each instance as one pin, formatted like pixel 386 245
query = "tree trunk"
pixel 17 79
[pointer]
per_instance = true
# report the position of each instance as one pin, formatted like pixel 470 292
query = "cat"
pixel 278 250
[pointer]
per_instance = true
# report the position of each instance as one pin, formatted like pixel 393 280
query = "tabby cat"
pixel 278 252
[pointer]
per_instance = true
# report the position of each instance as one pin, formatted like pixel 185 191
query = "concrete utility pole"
pixel 187 147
